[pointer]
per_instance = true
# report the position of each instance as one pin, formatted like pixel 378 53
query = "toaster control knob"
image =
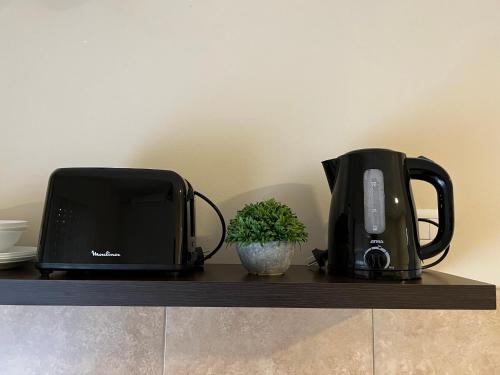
pixel 377 258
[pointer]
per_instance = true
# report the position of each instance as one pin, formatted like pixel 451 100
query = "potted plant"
pixel 265 234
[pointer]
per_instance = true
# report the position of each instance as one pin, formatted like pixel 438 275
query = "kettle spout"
pixel 330 167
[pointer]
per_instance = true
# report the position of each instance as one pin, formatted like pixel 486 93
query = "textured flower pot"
pixel 270 258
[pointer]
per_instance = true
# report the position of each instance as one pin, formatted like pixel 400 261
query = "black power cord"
pixel 222 222
pixel 445 253
pixel 320 257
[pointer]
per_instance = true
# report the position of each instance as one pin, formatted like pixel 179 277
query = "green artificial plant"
pixel 265 221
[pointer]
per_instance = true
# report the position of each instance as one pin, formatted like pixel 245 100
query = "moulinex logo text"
pixel 104 254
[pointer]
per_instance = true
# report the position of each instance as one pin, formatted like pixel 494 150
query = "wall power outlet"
pixel 427 231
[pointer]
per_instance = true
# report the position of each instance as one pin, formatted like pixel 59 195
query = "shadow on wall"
pixel 32 212
pixel 457 127
pixel 299 197
pixel 208 225
pixel 208 156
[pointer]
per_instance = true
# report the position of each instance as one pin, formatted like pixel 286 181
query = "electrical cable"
pixel 222 222
pixel 445 253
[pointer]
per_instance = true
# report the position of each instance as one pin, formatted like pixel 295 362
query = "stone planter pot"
pixel 270 258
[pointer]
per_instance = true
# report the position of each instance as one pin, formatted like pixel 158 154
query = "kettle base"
pixel 379 274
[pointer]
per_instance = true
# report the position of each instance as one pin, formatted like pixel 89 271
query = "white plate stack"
pixel 12 256
pixel 16 256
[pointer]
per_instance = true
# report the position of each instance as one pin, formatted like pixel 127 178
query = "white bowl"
pixel 18 252
pixel 9 238
pixel 13 224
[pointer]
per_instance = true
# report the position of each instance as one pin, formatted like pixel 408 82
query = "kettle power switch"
pixel 377 258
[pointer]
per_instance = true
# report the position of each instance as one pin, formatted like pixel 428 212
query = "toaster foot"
pixel 45 274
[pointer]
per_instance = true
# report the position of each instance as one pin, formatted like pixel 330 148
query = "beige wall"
pixel 245 98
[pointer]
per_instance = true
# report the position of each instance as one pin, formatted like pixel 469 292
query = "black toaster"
pixel 120 219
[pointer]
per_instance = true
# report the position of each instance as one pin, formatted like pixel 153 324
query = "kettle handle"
pixel 425 169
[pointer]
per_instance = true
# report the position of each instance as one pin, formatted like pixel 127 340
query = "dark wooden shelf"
pixel 230 285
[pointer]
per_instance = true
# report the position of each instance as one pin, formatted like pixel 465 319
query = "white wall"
pixel 245 98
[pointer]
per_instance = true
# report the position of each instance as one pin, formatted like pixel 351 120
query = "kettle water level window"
pixel 374 201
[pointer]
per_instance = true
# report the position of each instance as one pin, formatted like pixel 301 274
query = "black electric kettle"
pixel 373 227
